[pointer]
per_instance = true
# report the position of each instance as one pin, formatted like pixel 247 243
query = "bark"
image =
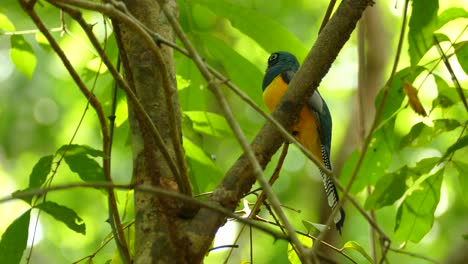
pixel 156 218
pixel 240 177
pixel 162 236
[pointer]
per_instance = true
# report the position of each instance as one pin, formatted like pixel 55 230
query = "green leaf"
pixel 121 113
pixel 444 125
pixel 181 82
pixel 96 64
pixel 204 173
pixel 77 158
pixel 203 18
pixel 129 234
pixel 422 24
pixel 377 159
pixel 451 14
pixel 64 215
pixel 22 55
pixel 260 28
pixel 462 142
pixel 462 169
pixel 461 50
pixel 387 190
pixel 5 24
pixel 392 186
pixel 441 37
pixel 422 135
pixel 73 149
pixel 14 239
pixel 40 171
pixel 37 177
pixel 447 96
pixel 248 77
pixel 465 237
pixel 313 229
pixel 396 94
pixel 209 123
pixel 292 256
pixel 196 96
pixel 43 42
pixel 352 246
pixel 415 216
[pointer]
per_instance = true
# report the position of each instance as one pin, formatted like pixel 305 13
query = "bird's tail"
pixel 332 197
pixel 332 193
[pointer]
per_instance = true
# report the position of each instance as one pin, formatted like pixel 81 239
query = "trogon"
pixel 313 128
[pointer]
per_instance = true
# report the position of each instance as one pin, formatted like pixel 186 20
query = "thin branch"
pixel 258 172
pixel 111 11
pixel 27 32
pixel 261 198
pixel 239 178
pixel 375 122
pixel 169 91
pixel 243 96
pixel 224 246
pixel 29 9
pixel 414 255
pixel 337 250
pixel 452 74
pixel 362 76
pixel 330 7
pixel 144 188
pixel 103 244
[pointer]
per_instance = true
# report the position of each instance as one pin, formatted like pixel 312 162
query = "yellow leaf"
pixel 414 102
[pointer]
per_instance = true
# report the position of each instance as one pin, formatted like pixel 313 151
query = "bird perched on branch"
pixel 313 128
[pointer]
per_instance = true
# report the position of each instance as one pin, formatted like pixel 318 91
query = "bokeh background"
pixel 40 114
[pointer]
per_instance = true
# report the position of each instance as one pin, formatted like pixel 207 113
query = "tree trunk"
pixel 156 220
pixel 161 234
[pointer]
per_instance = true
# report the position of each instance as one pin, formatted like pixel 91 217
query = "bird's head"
pixel 279 62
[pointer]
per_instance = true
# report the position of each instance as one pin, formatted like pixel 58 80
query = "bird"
pixel 313 128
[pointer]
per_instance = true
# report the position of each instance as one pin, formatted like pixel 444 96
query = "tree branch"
pixel 240 177
pixel 144 188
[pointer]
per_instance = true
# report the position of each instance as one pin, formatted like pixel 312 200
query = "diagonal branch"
pixel 143 188
pixel 214 86
pixel 240 177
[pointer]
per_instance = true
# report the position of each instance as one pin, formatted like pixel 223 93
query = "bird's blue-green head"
pixel 278 63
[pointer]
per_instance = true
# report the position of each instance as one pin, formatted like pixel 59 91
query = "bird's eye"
pixel 273 58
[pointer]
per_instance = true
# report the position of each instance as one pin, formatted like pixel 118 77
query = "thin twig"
pixel 330 7
pixel 452 74
pixel 224 246
pixel 27 32
pixel 374 124
pixel 243 96
pixel 414 255
pixel 144 188
pixel 258 172
pixel 261 198
pixel 103 244
pixel 362 76
pixel 113 12
pixel 169 91
pixel 313 238
pixel 121 244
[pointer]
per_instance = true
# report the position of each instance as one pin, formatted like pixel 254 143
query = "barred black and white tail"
pixel 330 190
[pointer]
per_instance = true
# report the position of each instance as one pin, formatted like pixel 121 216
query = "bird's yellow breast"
pixel 305 129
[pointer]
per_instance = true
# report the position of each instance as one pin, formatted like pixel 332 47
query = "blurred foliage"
pixel 415 165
